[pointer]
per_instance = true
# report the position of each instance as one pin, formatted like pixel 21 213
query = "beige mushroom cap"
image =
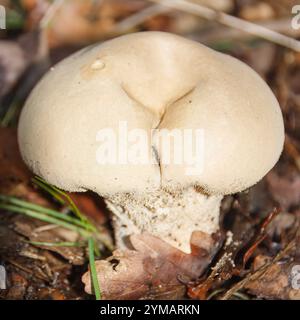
pixel 151 80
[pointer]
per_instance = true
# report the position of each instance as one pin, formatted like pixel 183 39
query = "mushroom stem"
pixel 170 215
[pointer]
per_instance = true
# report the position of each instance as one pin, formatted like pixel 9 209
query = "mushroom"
pixel 161 81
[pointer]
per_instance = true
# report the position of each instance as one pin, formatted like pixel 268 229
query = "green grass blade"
pixel 20 205
pixel 61 194
pixel 49 190
pixel 10 114
pixel 94 277
pixel 46 218
pixel 38 208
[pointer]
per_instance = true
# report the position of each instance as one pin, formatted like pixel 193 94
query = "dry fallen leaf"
pixel 285 189
pixel 81 22
pixel 35 11
pixel 13 171
pixel 277 281
pixel 154 269
pixel 12 65
pixel 29 229
pixel 257 11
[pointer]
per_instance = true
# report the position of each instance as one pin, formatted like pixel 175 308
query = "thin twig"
pixel 231 21
pixel 47 227
pixel 219 33
pixel 257 274
pixel 27 270
pixel 140 17
pixel 261 235
pixel 292 151
pixel 50 13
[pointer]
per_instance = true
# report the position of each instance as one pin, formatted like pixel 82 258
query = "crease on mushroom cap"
pixel 153 80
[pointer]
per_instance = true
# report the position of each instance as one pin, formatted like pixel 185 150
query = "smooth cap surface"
pixel 151 80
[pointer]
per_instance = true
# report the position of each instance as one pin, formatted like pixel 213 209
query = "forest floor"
pixel 260 256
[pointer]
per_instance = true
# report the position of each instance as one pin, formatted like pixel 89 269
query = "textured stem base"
pixel 170 215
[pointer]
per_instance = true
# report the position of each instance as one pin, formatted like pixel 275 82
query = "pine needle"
pixel 94 277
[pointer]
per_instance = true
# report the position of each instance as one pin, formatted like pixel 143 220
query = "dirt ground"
pixel 258 256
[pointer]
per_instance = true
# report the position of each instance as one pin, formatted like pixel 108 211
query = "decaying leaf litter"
pixel 259 244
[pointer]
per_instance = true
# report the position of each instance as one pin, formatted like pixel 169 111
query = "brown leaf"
pixel 14 175
pixel 81 22
pixel 261 58
pixel 18 287
pixel 12 65
pixel 285 189
pixel 27 227
pixel 27 275
pixel 153 270
pixel 259 11
pixel 12 168
pixel 281 224
pixel 262 234
pixel 92 205
pixel 239 246
pixel 35 10
pixel 16 57
pixel 276 283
